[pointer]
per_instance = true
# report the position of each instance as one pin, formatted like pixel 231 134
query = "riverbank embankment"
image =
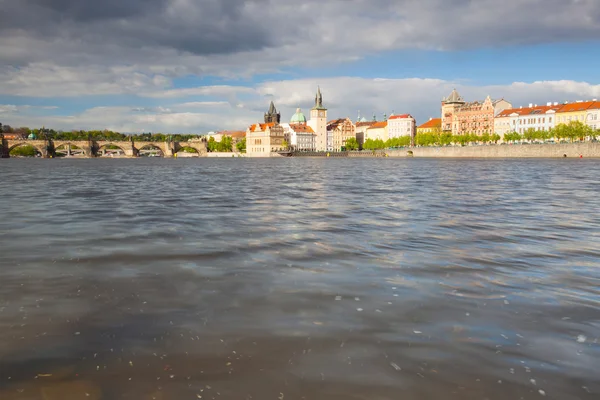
pixel 570 150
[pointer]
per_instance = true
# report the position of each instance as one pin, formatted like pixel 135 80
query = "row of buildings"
pixel 499 116
pixel 458 117
pixel 318 133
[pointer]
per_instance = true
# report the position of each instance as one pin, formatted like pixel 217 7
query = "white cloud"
pixel 343 96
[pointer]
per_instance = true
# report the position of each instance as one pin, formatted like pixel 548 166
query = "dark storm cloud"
pixel 91 10
pixel 206 37
pixel 197 27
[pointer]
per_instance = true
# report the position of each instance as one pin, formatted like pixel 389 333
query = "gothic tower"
pixel 272 115
pixel 318 121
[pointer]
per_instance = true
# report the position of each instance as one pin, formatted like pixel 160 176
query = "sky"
pixel 194 66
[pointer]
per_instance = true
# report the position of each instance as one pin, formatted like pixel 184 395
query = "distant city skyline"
pixel 217 66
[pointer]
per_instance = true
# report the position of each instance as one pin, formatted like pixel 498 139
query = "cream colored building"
pixel 263 140
pixel 434 125
pixel 318 122
pixel 592 117
pixel 377 131
pixel 341 130
pixel 361 127
pixel 576 111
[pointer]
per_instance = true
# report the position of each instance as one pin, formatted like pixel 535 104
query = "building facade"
pixel 340 130
pixel 401 125
pixel 461 117
pixel 361 127
pixel 434 125
pixel 576 111
pixel 377 131
pixel 262 140
pixel 298 135
pixel 539 118
pixel 318 122
pixel 592 117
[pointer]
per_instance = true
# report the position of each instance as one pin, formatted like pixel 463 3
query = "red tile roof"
pixel 528 110
pixel 571 107
pixel 432 123
pixel 378 125
pixel 262 127
pixel 301 128
pixel 234 134
pixel 400 116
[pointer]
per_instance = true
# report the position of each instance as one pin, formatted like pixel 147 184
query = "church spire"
pixel 319 100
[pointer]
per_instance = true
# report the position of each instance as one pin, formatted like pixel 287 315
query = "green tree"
pixel 285 144
pixel 226 144
pixel 351 144
pixel 212 144
pixel 24 151
pixel 241 145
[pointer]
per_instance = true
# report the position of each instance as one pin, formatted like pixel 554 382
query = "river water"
pixel 299 279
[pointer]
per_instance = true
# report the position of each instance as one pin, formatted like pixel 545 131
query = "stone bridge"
pixel 95 148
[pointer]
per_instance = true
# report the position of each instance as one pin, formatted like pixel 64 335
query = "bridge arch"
pixel 103 148
pixel 39 149
pixel 58 148
pixel 188 150
pixel 144 147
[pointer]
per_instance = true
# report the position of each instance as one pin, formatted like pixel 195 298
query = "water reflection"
pixel 299 278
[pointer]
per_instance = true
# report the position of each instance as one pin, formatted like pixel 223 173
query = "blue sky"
pixel 197 66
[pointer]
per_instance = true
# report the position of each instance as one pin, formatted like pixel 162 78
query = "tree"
pixel 285 144
pixel 495 137
pixel 226 144
pixel 529 134
pixel 241 145
pixel 24 151
pixel 351 144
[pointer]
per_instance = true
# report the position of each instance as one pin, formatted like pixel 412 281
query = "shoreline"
pixel 564 150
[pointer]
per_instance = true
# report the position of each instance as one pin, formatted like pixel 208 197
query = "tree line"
pixel 106 135
pixel 575 130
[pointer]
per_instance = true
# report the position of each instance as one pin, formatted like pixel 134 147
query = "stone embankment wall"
pixel 587 150
pixel 229 154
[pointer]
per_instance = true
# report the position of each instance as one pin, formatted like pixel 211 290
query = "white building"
pixel 401 125
pixel 539 118
pixel 592 116
pixel 298 134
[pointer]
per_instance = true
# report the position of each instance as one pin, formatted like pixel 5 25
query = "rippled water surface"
pixel 299 279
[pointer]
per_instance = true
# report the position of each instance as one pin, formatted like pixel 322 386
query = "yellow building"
pixel 434 125
pixel 573 112
pixel 377 131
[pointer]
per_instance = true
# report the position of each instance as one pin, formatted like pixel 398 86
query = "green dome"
pixel 32 136
pixel 298 118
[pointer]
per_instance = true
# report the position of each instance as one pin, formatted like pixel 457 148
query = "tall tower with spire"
pixel 318 121
pixel 272 116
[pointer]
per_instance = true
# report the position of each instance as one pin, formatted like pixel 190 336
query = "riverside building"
pixel 461 117
pixel 298 134
pixel 262 140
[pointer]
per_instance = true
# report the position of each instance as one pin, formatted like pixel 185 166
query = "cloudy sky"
pixel 201 65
